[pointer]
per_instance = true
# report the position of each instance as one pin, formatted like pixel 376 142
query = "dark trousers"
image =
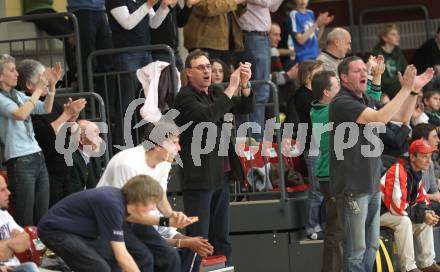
pixel 164 56
pixel 212 208
pixel 166 258
pixel 29 185
pixel 79 253
pixel 333 233
pixel 58 183
pixel 82 254
pixel 95 34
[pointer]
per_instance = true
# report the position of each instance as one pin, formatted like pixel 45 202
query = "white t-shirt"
pixel 7 224
pixel 132 162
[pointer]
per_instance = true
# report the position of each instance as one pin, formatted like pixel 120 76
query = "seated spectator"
pixel 428 133
pixel 214 28
pixel 12 237
pixel 395 138
pixel 395 61
pixel 428 55
pixel 27 173
pixel 220 71
pixel 47 126
pixel 155 161
pixel 167 32
pixel 199 245
pixel 405 209
pixel 89 229
pixel 306 31
pixel 431 101
pixel 86 169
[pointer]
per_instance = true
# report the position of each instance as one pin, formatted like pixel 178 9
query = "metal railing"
pixel 364 12
pixel 106 76
pixel 48 53
pixel 274 104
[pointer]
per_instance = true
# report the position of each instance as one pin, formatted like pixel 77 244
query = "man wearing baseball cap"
pixel 405 209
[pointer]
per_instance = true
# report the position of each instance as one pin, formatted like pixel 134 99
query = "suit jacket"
pixel 82 175
pixel 199 107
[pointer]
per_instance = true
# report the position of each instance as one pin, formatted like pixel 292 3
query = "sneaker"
pixel 432 268
pixel 316 236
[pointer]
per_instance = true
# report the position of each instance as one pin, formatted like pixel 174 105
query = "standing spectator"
pixel 167 33
pixel 27 173
pixel 220 71
pixel 90 229
pixel 285 80
pixel 428 55
pixel 302 101
pixel 325 85
pixel 355 173
pixel 338 45
pixel 13 238
pixel 256 23
pixel 213 27
pixel 54 27
pixel 395 61
pixel 406 210
pixel 206 184
pixel 305 31
pixel 47 126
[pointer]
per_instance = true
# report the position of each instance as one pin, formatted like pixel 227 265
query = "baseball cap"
pixel 420 146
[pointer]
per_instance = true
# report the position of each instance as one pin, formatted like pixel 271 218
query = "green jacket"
pixel 319 114
pixel 33 5
pixel 394 62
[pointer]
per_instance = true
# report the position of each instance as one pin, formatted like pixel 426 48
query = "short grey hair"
pixel 5 58
pixel 336 33
pixel 29 71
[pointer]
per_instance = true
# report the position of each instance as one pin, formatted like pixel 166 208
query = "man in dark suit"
pixel 86 169
pixel 206 175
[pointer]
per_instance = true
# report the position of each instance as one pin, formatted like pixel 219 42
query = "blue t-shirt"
pixel 91 213
pixel 299 22
pixel 18 140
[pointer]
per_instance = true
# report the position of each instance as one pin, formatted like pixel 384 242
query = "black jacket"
pixel 167 33
pixel 198 107
pixel 81 175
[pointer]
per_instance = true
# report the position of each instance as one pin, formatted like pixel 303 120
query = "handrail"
pixel 74 20
pixel 155 47
pixel 112 51
pixel 391 8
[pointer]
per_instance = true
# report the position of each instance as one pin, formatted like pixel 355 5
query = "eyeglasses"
pixel 202 67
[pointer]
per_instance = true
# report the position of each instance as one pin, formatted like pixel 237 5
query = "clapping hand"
pixel 324 19
pixel 73 108
pixel 55 74
pixel 168 3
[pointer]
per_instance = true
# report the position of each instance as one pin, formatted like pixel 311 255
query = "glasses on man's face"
pixel 202 67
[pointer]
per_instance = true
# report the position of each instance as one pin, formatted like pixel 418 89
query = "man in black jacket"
pixel 207 172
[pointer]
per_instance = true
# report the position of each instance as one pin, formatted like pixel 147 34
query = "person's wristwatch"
pixel 247 86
